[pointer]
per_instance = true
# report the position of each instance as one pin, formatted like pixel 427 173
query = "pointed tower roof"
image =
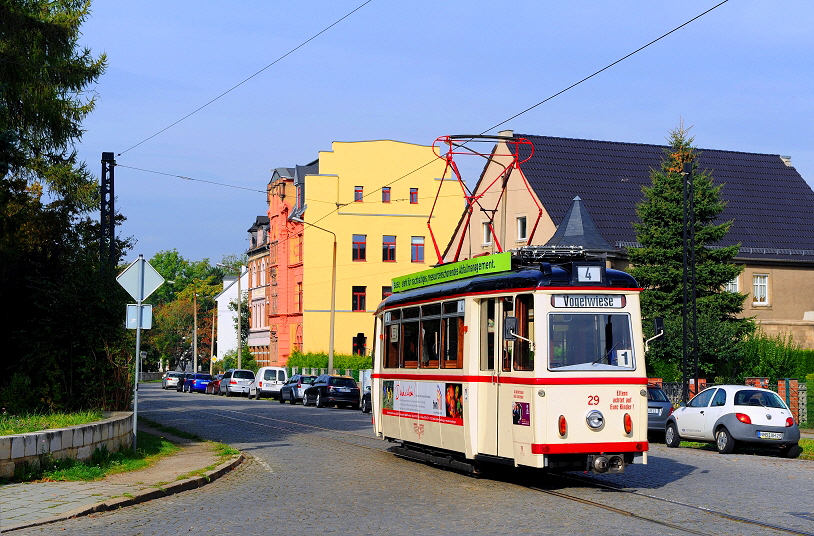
pixel 578 229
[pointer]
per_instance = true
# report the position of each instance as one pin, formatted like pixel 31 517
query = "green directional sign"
pixel 489 264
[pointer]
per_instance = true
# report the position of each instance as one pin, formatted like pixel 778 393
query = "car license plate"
pixel 770 435
pixel 653 411
pixel 344 389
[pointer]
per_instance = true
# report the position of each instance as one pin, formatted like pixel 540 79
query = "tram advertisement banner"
pixel 424 401
pixel 489 264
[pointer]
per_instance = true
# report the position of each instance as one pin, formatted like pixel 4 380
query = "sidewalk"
pixel 31 504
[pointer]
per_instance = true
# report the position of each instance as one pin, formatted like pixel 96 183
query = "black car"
pixel 295 387
pixel 330 389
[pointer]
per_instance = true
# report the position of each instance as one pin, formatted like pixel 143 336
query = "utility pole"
pixel 212 344
pixel 239 314
pixel 107 223
pixel 689 351
pixel 195 332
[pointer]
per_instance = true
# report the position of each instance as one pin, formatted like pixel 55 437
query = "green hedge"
pixel 320 360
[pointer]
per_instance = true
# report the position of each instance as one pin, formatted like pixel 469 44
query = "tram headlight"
pixel 595 419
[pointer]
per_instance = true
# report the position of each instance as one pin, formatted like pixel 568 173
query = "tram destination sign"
pixel 596 301
pixel 488 264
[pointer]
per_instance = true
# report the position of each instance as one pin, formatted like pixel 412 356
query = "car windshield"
pixel 174 375
pixel 753 397
pixel 203 377
pixel 243 374
pixel 657 395
pixel 582 341
pixel 342 382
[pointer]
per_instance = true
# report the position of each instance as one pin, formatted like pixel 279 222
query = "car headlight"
pixel 595 419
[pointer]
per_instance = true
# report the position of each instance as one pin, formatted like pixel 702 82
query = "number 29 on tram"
pixel 539 366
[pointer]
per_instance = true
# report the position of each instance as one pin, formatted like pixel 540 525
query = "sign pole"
pixel 138 348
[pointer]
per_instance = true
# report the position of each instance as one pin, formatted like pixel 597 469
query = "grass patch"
pixel 151 448
pixel 169 429
pixel 806 444
pixel 34 422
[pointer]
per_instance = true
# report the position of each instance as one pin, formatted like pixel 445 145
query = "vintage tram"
pixel 507 358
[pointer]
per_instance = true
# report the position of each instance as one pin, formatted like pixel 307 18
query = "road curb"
pixel 139 497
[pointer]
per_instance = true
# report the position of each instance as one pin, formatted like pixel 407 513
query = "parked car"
pixel 295 387
pixel 182 380
pixel 236 381
pixel 267 382
pixel 659 408
pixel 197 382
pixel 366 407
pixel 214 386
pixel 170 379
pixel 732 414
pixel 329 390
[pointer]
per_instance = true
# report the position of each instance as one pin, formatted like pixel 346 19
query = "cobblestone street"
pixel 304 478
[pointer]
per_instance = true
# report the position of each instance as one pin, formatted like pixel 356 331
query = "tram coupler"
pixel 610 463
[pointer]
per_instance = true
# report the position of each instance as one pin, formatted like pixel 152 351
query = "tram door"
pixel 493 363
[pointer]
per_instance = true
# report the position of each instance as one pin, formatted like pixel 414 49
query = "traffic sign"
pixel 146 316
pixel 129 279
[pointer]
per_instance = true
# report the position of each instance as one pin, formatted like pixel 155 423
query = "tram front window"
pixel 590 342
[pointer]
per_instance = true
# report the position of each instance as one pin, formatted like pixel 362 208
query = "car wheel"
pixel 365 406
pixel 319 402
pixel 791 452
pixel 305 399
pixel 282 398
pixel 292 398
pixel 724 441
pixel 671 437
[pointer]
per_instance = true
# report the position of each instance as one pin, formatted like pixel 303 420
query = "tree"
pixel 63 325
pixel 658 264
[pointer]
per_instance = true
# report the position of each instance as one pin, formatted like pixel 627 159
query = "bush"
pixel 320 360
pixel 773 357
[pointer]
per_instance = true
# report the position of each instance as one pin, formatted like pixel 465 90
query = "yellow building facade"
pixel 376 197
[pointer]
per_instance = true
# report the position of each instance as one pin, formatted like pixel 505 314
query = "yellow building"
pixel 376 197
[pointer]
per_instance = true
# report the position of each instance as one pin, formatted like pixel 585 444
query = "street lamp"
pixel 333 295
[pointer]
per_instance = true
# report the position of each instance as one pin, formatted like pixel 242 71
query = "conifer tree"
pixel 658 266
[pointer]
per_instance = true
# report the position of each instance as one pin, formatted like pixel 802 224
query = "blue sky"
pixel 741 76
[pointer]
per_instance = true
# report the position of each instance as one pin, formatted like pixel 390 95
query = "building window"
pixel 487 233
pixel 387 291
pixel 299 247
pixel 298 298
pixel 414 196
pixel 386 194
pixel 760 284
pixel 732 286
pixel 389 248
pixel 357 194
pixel 358 297
pixel 359 344
pixel 359 247
pixel 417 249
pixel 521 228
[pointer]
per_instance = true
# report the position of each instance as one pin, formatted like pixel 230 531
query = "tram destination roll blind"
pixel 599 301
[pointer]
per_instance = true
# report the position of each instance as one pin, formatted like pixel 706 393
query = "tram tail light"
pixel 744 418
pixel 562 426
pixel 628 423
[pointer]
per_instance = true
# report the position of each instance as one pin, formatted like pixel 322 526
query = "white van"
pixel 267 382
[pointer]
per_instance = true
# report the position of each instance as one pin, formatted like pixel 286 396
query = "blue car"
pixel 197 382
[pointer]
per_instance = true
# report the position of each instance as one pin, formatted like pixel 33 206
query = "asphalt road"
pixel 322 471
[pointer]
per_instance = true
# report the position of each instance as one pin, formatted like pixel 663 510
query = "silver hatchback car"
pixel 170 379
pixel 236 382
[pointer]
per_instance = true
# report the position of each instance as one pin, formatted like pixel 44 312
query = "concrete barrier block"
pixel 84 452
pixel 88 439
pixel 5 448
pixel 78 437
pixel 32 444
pixel 97 433
pixel 6 468
pixel 106 429
pixel 17 447
pixel 54 441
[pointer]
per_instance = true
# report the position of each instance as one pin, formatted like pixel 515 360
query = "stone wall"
pixel 802 331
pixel 77 442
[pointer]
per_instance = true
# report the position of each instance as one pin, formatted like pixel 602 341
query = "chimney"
pixel 786 160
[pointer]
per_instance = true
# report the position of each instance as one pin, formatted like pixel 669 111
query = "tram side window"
pixel 453 342
pixel 391 345
pixel 487 357
pixel 430 342
pixel 409 332
pixel 523 349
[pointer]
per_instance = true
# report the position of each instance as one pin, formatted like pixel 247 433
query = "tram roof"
pixel 558 276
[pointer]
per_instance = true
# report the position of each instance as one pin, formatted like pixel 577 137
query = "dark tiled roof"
pixel 770 203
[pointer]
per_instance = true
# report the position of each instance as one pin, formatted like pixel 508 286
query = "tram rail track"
pixel 297 426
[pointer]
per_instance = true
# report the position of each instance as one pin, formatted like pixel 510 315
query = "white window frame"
pixel 524 227
pixel 760 282
pixel 733 286
pixel 487 234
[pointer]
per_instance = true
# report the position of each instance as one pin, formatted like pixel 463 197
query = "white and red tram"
pixel 540 366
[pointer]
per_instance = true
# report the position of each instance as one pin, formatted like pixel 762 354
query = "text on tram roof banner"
pixel 489 264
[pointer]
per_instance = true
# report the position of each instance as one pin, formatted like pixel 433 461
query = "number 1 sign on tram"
pixel 139 280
